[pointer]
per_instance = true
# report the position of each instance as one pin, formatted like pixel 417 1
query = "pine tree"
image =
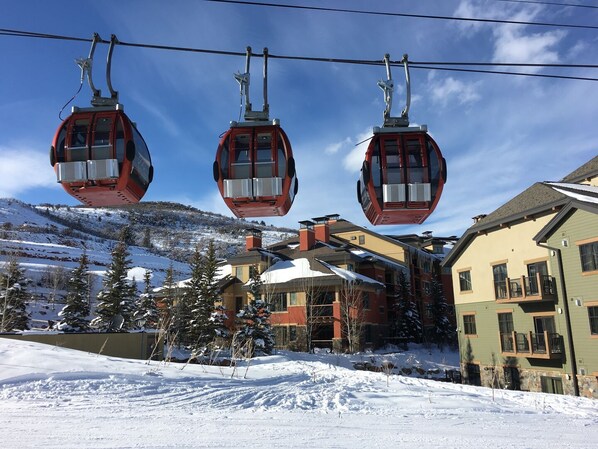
pixel 146 315
pixel 255 333
pixel 74 314
pixel 147 238
pixel 409 324
pixel 116 300
pixel 180 325
pixel 207 322
pixel 443 332
pixel 13 298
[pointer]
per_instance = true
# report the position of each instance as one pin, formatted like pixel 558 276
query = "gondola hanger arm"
pixel 387 87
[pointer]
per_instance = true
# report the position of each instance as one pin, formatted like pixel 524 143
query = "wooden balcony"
pixel 546 345
pixel 525 289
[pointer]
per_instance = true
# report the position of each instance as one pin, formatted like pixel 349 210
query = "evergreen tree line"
pixel 192 318
pixel 408 326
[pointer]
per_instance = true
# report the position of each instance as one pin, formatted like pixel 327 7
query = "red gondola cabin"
pixel 100 158
pixel 255 170
pixel 402 176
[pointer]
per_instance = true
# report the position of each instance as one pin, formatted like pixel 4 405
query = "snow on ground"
pixel 56 398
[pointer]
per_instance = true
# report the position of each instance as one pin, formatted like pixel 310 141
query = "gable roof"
pixel 586 171
pixel 589 203
pixel 539 199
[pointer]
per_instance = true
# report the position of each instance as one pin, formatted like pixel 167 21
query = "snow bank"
pixel 64 398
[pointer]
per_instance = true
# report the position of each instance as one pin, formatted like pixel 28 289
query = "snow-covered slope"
pixel 54 397
pixel 48 241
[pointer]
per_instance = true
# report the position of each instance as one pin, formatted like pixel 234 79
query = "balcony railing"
pixel 546 345
pixel 322 313
pixel 525 289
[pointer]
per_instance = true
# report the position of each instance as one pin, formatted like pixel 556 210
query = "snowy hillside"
pixel 59 398
pixel 48 241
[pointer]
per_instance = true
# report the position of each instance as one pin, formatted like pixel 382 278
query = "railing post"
pixel 523 287
pixel 547 343
pixel 514 341
pixel 530 342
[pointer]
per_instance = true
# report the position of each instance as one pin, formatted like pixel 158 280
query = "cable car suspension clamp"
pixel 86 66
pixel 387 87
pixel 243 79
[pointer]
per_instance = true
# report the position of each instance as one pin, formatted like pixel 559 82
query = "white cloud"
pixel 353 161
pixel 450 89
pixel 540 48
pixel 334 148
pixel 23 169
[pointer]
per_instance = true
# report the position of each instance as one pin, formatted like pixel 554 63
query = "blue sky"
pixel 499 134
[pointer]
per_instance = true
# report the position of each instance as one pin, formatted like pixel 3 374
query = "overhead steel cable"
pixel 375 62
pixel 20 33
pixel 498 72
pixel 407 15
pixel 573 5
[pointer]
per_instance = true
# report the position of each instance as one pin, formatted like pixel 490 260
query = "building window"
pixel 589 257
pixel 238 303
pixel 278 302
pixel 293 299
pixel 499 274
pixel 367 334
pixel 512 378
pixel 593 315
pixel 350 267
pixel 292 333
pixel 469 325
pixel 505 323
pixel 465 281
pixel 427 288
pixel 533 271
pixel 552 385
pixel 366 300
pixel 381 309
pixel 473 374
pixel 362 239
pixel 429 311
pixel 281 335
pixel 239 272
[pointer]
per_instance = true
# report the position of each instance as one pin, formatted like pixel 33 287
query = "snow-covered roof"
pixel 581 192
pixel 289 270
pixel 350 276
pixel 365 254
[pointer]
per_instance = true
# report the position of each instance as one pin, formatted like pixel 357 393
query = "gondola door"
pixel 419 192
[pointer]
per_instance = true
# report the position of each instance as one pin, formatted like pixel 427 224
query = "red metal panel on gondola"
pixel 402 176
pixel 255 170
pixel 100 158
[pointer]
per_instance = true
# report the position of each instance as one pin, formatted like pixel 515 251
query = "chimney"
pixel 321 229
pixel 253 239
pixel 307 237
pixel 333 218
pixel 477 218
